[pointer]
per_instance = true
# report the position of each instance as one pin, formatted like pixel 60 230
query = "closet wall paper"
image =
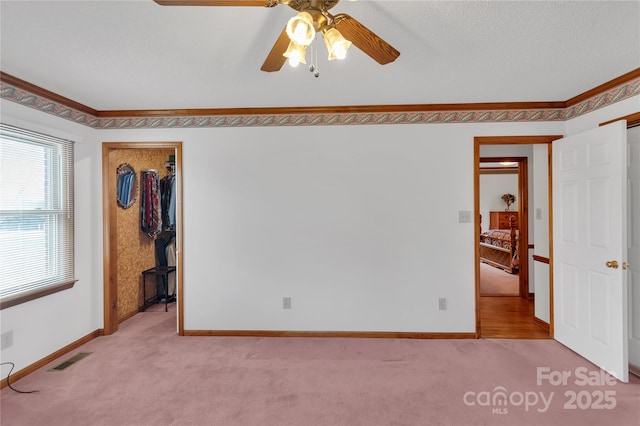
pixel 136 251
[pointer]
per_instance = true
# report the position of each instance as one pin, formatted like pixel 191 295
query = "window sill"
pixel 36 294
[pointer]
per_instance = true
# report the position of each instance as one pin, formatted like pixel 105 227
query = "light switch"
pixel 464 216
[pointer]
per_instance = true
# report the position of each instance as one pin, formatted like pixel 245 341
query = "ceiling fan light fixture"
pixel 337 45
pixel 296 53
pixel 300 29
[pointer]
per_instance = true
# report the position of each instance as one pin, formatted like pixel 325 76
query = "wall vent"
pixel 71 361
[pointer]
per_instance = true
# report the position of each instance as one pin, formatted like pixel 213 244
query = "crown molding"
pixel 37 91
pixel 358 109
pixel 30 95
pixel 611 84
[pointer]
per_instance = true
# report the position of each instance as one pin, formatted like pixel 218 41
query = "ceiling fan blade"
pixel 263 3
pixel 276 59
pixel 365 40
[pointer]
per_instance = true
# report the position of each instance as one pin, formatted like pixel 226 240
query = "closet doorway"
pixel 127 249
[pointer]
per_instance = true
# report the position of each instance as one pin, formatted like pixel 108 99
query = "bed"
pixel 499 248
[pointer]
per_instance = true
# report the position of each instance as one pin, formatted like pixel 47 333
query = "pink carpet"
pixel 496 282
pixel 147 375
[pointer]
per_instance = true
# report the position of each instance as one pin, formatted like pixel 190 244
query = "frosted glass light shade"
pixel 300 29
pixel 337 45
pixel 296 54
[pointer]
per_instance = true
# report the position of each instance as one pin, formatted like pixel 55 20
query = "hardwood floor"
pixel 509 318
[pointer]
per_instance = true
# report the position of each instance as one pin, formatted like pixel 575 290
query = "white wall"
pixel 540 235
pixel 357 224
pixel 491 189
pixel 342 220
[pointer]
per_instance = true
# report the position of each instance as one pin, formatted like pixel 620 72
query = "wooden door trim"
pixel 109 234
pixel 550 204
pixel 632 120
pixel 523 221
pixel 506 140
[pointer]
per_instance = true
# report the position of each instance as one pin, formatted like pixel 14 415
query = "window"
pixel 36 215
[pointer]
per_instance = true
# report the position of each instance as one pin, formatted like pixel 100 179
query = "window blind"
pixel 36 213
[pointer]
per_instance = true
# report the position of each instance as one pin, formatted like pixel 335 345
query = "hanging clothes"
pixel 167 195
pixel 172 204
pixel 150 209
pixel 165 247
pixel 171 261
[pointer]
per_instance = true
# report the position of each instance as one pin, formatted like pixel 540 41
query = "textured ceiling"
pixel 114 55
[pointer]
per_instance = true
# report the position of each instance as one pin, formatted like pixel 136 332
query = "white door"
pixel 589 240
pixel 633 188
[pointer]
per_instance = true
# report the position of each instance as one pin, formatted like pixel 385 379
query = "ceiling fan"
pixel 338 31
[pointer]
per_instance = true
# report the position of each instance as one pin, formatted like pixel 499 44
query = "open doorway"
pixel 503 237
pixel 511 316
pixel 130 251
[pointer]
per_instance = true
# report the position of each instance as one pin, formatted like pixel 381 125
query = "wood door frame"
pixel 510 140
pixel 110 239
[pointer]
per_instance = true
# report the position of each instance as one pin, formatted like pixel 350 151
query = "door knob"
pixel 612 264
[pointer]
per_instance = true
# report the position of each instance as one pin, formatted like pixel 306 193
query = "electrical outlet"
pixel 7 340
pixel 539 214
pixel 286 302
pixel 442 304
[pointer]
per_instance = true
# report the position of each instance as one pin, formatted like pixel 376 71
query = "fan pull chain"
pixel 314 61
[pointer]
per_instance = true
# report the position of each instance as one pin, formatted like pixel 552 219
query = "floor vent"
pixel 71 361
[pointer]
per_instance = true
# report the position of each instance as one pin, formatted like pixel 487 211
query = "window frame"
pixel 62 176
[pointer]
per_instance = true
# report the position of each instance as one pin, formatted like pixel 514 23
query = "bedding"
pixel 499 248
pixel 497 237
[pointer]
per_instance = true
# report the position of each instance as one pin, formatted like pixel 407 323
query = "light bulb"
pixel 294 58
pixel 296 54
pixel 336 44
pixel 300 32
pixel 339 50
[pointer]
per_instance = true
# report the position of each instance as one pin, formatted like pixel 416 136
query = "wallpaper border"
pixel 456 113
